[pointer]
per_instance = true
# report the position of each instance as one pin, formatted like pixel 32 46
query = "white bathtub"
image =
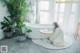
pixel 36 30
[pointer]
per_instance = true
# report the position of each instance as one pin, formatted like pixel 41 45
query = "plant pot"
pixel 17 31
pixel 21 38
pixel 8 34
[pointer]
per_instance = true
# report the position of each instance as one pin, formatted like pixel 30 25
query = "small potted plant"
pixel 7 27
pixel 19 31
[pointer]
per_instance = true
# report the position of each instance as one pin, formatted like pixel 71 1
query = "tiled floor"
pixel 29 47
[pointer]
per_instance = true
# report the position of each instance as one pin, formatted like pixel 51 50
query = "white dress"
pixel 57 38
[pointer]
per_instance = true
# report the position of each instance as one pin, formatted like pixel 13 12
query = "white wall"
pixel 3 12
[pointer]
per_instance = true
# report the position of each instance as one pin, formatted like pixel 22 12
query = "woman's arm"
pixel 46 31
pixel 56 34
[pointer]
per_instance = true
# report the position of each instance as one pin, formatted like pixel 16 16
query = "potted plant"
pixel 19 30
pixel 7 27
pixel 19 10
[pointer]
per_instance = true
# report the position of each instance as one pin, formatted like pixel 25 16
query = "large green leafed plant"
pixel 19 10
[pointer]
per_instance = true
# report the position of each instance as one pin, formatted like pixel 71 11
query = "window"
pixel 44 11
pixel 49 11
pixel 59 12
pixel 65 15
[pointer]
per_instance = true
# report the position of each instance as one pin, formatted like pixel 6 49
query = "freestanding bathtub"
pixel 35 34
pixel 36 30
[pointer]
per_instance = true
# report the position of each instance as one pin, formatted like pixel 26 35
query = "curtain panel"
pixel 66 14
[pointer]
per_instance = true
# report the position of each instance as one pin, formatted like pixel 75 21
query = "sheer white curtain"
pixel 32 14
pixel 49 11
pixel 66 15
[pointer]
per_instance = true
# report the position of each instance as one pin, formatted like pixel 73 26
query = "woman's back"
pixel 58 37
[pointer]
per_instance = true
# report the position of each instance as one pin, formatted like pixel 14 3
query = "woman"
pixel 57 38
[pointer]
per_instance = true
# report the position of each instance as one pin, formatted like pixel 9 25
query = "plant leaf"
pixel 2 27
pixel 6 19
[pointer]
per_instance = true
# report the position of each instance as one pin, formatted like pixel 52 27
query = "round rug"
pixel 44 43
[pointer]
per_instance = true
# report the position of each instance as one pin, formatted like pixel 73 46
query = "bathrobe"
pixel 57 37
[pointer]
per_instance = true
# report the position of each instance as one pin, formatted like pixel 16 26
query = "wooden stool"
pixel 77 34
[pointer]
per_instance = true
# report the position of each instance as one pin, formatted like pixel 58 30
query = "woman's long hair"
pixel 56 25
